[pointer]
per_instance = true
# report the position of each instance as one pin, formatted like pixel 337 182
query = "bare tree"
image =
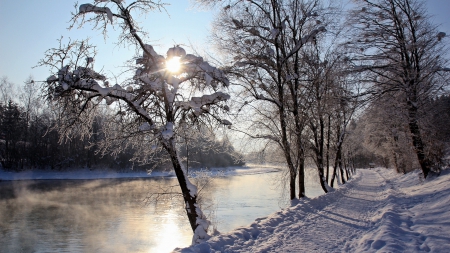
pixel 386 133
pixel 394 41
pixel 163 92
pixel 6 90
pixel 263 40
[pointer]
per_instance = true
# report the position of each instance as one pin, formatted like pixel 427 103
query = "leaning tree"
pixel 162 94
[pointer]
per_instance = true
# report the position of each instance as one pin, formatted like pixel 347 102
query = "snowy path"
pixel 331 228
pixel 377 211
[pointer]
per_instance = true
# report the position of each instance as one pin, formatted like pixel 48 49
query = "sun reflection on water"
pixel 170 234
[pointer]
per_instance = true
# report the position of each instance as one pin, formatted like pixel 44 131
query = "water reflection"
pixel 109 215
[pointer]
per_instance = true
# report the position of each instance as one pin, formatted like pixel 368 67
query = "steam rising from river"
pixel 110 216
pixel 88 216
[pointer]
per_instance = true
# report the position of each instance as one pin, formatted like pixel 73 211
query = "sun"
pixel 173 64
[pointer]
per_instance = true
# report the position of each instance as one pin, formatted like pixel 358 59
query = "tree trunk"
pixel 417 141
pixel 320 157
pixel 334 171
pixel 292 176
pixel 284 141
pixel 287 154
pixel 189 192
pixel 301 178
pixel 340 165
pixel 346 167
pixel 328 147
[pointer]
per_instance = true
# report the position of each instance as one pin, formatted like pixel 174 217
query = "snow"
pixel 167 133
pixel 274 33
pixel 146 127
pixel 85 8
pixel 376 211
pixel 176 51
pixel 307 39
pixel 51 79
pixel 226 122
pixel 441 35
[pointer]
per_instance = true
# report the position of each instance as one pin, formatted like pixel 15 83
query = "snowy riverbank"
pixel 378 210
pixel 86 174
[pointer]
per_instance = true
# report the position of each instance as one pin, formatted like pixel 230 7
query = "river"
pixel 110 215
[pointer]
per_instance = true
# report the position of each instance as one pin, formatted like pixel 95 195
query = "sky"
pixel 29 28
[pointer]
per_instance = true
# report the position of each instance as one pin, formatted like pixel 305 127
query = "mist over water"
pixel 109 215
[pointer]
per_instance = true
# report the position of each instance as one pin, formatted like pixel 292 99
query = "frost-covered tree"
pixel 162 93
pixel 263 40
pixel 386 133
pixel 344 103
pixel 394 42
pixel 7 91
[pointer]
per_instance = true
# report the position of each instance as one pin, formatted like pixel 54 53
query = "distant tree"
pixel 12 127
pixel 202 149
pixel 386 133
pixel 7 91
pixel 157 99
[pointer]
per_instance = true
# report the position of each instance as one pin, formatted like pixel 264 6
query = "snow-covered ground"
pixel 377 211
pixel 106 174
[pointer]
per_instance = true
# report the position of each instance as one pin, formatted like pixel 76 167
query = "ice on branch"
pixel 238 24
pixel 146 127
pixel 291 77
pixel 361 68
pixel 270 51
pixel 441 69
pixel 312 14
pixel 176 51
pixel 51 79
pixel 307 38
pixel 65 86
pixel 209 99
pixel 254 31
pixel 86 8
pixel 167 132
pixel 226 122
pixel 269 137
pixel 274 32
pixel 198 104
pixel 149 50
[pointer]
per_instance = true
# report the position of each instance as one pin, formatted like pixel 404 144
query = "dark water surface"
pixel 109 215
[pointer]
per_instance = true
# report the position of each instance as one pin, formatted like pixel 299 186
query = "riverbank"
pixel 86 174
pixel 378 210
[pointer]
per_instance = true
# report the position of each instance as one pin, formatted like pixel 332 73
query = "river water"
pixel 110 215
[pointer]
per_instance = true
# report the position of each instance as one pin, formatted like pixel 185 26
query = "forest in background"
pixel 29 139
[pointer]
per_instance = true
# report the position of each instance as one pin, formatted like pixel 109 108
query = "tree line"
pixel 312 75
pixel 29 139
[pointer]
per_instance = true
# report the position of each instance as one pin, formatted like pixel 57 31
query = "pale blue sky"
pixel 30 27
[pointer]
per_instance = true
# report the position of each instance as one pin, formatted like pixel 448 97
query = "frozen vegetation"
pixel 377 211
